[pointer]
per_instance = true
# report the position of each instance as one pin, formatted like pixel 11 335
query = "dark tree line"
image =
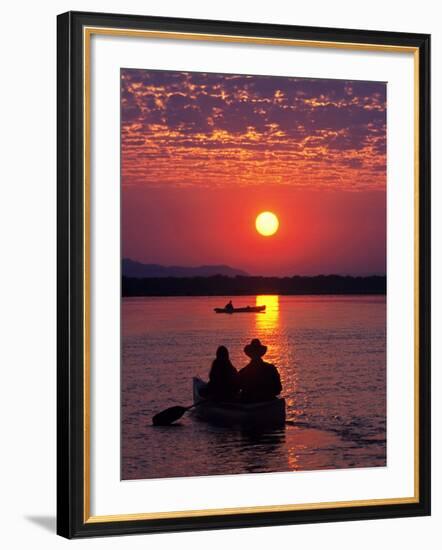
pixel 220 285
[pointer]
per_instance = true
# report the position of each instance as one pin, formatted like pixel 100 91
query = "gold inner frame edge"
pixel 87 33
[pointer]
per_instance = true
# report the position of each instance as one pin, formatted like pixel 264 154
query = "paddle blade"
pixel 166 417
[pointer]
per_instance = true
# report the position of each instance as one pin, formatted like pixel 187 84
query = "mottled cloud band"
pixel 182 129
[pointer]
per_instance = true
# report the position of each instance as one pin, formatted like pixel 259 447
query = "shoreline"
pixel 219 285
pixel 254 294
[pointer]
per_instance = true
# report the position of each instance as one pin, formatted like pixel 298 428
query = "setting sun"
pixel 267 224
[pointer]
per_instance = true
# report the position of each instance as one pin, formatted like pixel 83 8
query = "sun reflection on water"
pixel 270 330
pixel 268 322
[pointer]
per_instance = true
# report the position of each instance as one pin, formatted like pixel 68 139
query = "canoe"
pixel 267 414
pixel 248 309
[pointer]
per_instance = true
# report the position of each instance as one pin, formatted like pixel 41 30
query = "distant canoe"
pixel 266 414
pixel 248 309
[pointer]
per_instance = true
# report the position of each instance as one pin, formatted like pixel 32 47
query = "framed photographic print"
pixel 243 274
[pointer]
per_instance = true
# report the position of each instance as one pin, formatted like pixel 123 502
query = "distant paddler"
pixel 229 306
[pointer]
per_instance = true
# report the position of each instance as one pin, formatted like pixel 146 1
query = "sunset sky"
pixel 203 154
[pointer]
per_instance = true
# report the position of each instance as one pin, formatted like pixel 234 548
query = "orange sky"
pixel 203 154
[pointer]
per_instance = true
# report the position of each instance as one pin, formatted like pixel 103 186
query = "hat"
pixel 255 348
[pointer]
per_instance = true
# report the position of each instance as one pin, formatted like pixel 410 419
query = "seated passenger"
pixel 258 381
pixel 223 378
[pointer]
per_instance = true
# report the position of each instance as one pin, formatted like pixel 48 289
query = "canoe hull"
pixel 248 309
pixel 268 414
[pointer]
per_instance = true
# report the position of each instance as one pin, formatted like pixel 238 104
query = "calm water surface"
pixel 330 352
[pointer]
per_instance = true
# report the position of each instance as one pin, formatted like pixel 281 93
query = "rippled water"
pixel 330 352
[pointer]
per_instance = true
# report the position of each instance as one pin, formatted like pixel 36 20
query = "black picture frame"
pixel 72 520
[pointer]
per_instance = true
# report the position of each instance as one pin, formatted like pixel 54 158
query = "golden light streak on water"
pixel 268 322
pixel 280 353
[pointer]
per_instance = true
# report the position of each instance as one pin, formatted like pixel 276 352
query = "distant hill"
pixel 138 270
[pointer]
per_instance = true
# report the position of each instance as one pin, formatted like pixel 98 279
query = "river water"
pixel 331 355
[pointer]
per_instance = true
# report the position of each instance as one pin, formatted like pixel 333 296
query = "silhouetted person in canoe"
pixel 259 381
pixel 223 378
pixel 229 306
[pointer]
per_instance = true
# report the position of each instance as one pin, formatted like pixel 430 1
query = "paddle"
pixel 166 417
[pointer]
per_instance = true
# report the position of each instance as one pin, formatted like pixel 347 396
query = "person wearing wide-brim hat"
pixel 259 381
